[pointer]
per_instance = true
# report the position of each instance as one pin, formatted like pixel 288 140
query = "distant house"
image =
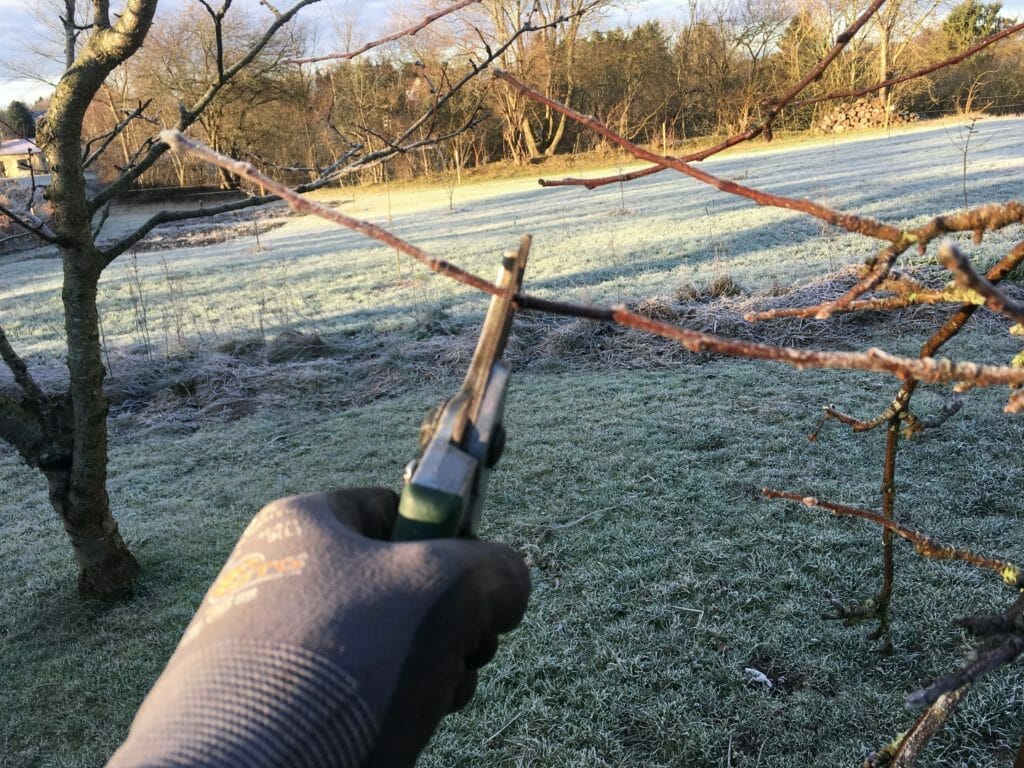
pixel 21 158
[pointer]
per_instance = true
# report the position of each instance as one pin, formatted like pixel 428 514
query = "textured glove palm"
pixel 322 645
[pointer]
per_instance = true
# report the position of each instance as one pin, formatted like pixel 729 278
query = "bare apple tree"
pixel 64 434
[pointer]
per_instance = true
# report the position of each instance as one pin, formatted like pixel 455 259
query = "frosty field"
pixel 629 484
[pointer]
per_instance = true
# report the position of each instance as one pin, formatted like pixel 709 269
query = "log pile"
pixel 863 113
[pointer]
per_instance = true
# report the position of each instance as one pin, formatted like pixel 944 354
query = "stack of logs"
pixel 863 113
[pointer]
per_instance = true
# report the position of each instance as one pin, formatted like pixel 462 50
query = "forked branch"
pixel 953 259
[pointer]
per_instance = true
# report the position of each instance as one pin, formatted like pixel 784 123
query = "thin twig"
pixel 181 143
pixel 926 297
pixel 407 32
pixel 924 545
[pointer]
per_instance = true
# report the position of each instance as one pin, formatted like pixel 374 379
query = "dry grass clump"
pixel 246 346
pixel 721 286
pixel 724 285
pixel 248 373
pixel 292 345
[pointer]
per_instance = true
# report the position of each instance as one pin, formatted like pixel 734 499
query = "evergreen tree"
pixel 971 21
pixel 19 120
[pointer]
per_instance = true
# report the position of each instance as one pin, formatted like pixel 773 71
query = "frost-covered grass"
pixel 659 577
pixel 646 239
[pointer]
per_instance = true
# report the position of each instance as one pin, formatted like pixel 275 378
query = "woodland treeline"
pixel 659 83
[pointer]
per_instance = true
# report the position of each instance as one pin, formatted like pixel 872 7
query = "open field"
pixel 629 483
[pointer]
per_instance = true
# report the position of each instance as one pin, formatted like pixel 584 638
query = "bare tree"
pixel 64 434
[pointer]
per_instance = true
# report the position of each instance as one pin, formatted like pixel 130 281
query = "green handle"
pixel 427 513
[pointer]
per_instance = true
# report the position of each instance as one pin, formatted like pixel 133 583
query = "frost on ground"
pixel 673 620
pixel 659 239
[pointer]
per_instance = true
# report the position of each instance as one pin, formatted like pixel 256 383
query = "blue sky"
pixel 16 22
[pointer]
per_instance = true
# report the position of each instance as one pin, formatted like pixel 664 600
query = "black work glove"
pixel 321 645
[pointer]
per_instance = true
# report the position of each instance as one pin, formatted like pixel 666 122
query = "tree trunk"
pixel 78 492
pixel 531 142
pixel 883 70
pixel 77 477
pixel 70 33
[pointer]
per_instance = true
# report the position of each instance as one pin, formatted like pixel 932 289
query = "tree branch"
pixel 118 247
pixel 906 748
pixel 928 369
pixel 924 545
pixel 181 143
pixel 21 428
pixel 19 369
pixel 849 222
pixel 33 224
pixel 407 32
pixel 986 662
pixel 953 259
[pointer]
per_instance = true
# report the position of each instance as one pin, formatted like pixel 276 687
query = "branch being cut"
pixel 925 368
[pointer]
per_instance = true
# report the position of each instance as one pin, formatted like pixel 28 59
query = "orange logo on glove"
pixel 251 570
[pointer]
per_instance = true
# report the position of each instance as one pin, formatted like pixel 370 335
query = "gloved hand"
pixel 322 644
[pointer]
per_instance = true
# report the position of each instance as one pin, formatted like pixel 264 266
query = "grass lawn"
pixel 666 592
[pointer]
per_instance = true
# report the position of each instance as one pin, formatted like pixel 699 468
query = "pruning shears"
pixel 462 439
